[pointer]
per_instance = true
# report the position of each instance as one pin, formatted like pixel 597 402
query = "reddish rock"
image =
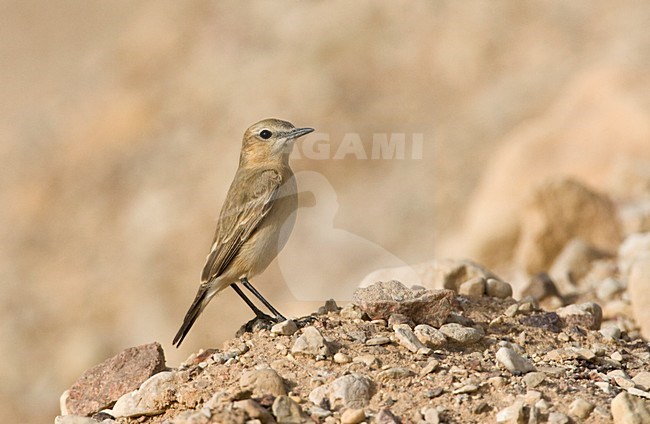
pixel 383 299
pixel 99 387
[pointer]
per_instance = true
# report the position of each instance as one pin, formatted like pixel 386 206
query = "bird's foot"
pixel 260 322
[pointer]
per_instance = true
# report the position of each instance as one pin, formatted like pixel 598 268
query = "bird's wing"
pixel 241 214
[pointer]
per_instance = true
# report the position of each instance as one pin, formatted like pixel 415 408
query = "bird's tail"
pixel 202 298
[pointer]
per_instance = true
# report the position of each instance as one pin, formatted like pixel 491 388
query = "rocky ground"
pixel 472 354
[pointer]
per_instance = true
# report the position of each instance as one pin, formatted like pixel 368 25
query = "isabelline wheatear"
pixel 255 220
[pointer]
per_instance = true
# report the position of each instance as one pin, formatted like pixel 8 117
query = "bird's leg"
pixel 278 316
pixel 250 304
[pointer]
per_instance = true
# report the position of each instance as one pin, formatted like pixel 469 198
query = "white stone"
pixel 514 362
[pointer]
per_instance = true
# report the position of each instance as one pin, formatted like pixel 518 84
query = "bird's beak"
pixel 298 132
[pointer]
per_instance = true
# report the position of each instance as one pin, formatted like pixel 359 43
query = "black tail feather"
pixel 191 316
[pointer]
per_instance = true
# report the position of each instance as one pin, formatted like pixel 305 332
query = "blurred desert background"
pixel 121 123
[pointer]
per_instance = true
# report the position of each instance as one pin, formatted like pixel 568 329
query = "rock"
pixel 497 288
pixel 407 338
pixel 547 320
pixel 430 336
pixel 581 408
pixel 353 416
pixel 608 288
pixel 637 287
pixel 540 287
pixel 285 328
pixel 74 419
pixel 378 341
pixel 311 342
pixel 588 315
pixel 99 387
pixel 260 382
pixel 514 362
pixel 395 373
pixel 514 414
pixel 287 411
pixel 370 361
pixel 473 287
pixel 557 418
pixel 534 379
pixel 351 391
pixel 573 263
pixel 342 358
pixel 467 388
pixel 460 334
pixel 385 416
pixel 638 392
pixel 150 399
pixel 330 306
pixel 627 409
pixel 642 380
pixel 611 332
pixel 436 274
pixel 429 367
pixel 559 210
pixel 254 411
pixel 431 415
pixel 633 247
pixel 351 311
pixel 394 319
pixel 382 299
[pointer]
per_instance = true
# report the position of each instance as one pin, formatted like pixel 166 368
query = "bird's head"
pixel 269 140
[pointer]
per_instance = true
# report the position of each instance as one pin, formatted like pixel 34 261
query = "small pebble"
pixel 473 287
pixel 534 379
pixel 431 337
pixel 353 416
pixel 460 334
pixel 407 338
pixel 514 362
pixel 286 328
pixel 512 414
pixel 342 358
pixel 430 415
pixel 580 408
pixel 642 380
pixel 377 341
pixel 351 311
pixel 497 288
pixel 557 418
pixel 430 367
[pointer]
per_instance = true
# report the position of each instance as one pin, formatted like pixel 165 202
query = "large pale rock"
pixel 628 409
pixel 262 382
pixel 383 299
pixel 351 391
pixel 435 274
pixel 99 387
pixel 557 211
pixel 638 287
pixel 153 396
pixel 311 342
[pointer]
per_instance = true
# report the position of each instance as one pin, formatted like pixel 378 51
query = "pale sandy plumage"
pixel 257 215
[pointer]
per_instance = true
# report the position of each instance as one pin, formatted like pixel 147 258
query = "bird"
pixel 255 221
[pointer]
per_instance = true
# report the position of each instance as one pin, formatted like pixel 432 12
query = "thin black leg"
pixel 250 304
pixel 278 316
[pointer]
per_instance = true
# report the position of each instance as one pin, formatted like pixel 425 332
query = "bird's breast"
pixel 274 230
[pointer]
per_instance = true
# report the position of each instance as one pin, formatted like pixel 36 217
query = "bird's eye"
pixel 266 134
